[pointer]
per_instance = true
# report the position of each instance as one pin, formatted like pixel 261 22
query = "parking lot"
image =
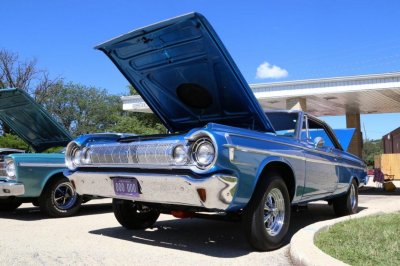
pixel 94 237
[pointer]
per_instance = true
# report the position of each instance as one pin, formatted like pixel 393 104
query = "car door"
pixel 322 170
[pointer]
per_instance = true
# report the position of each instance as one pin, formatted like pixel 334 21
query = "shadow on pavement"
pixel 378 191
pixel 210 237
pixel 34 213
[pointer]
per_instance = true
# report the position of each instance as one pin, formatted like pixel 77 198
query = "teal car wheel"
pixel 59 198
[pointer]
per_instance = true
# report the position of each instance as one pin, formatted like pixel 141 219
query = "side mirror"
pixel 319 142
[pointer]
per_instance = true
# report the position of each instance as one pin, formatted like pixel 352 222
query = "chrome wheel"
pixel 353 196
pixel 64 196
pixel 274 212
pixel 348 203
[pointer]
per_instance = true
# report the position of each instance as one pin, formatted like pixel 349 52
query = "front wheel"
pixel 134 216
pixel 266 218
pixel 348 203
pixel 8 205
pixel 59 198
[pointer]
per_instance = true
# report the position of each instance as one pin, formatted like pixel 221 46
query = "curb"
pixel 302 249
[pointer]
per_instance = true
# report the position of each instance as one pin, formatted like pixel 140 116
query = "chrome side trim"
pixel 161 188
pixel 285 155
pixel 11 189
pixel 264 140
pixel 298 146
pixel 58 165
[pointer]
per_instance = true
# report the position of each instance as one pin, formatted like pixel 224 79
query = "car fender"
pixel 272 160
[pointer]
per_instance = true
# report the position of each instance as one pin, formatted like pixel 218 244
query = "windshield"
pixel 285 124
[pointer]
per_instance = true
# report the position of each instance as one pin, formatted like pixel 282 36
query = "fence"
pixel 389 164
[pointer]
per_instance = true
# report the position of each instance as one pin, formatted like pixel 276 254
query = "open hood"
pixel 186 76
pixel 30 121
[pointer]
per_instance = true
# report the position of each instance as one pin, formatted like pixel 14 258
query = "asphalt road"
pixel 94 237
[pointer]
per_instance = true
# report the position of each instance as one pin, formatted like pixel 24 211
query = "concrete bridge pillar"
pixel 296 104
pixel 356 144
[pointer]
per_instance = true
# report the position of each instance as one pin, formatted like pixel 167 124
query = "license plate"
pixel 126 186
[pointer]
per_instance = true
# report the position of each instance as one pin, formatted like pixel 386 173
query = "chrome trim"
pixel 267 152
pixel 3 171
pixel 11 189
pixel 307 132
pixel 274 212
pixel 298 146
pixel 42 165
pixel 146 154
pixel 199 134
pixel 161 188
pixel 134 153
pixel 265 140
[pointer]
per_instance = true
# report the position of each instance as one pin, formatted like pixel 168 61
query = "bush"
pixel 12 141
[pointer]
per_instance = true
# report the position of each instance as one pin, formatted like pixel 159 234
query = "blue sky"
pixel 290 40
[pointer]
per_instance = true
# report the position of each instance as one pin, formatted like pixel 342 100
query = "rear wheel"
pixel 266 218
pixel 8 205
pixel 59 198
pixel 348 203
pixel 134 216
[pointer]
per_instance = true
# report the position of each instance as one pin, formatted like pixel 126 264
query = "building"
pixel 391 141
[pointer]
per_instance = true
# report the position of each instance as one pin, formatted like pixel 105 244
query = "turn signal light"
pixel 202 194
pixel 182 214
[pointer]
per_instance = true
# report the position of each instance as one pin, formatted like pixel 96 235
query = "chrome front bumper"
pixel 160 188
pixel 11 189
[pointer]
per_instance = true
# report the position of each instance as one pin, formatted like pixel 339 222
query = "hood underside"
pixel 30 121
pixel 186 76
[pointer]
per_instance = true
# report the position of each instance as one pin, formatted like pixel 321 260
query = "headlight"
pixel 73 155
pixel 203 152
pixel 85 156
pixel 10 168
pixel 180 155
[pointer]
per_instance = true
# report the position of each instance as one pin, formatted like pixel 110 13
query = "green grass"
pixel 374 240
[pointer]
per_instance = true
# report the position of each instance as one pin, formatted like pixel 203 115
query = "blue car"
pixel 223 154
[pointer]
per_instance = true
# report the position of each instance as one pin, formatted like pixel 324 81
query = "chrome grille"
pixel 133 153
pixel 3 169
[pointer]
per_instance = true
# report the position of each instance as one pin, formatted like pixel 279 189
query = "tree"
pixel 12 141
pixel 140 123
pixel 131 124
pixel 79 108
pixel 370 149
pixel 24 75
pixel 82 109
pixel 132 90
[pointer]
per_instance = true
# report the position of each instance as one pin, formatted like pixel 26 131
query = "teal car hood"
pixel 30 121
pixel 186 76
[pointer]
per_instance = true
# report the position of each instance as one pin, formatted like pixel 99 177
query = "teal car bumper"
pixel 10 188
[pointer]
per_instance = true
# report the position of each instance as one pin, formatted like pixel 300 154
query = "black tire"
pixel 35 202
pixel 59 198
pixel 347 204
pixel 9 205
pixel 134 216
pixel 271 198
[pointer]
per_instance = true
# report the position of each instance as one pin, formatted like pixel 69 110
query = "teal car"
pixel 38 178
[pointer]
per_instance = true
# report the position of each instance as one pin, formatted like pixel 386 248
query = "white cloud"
pixel 268 71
